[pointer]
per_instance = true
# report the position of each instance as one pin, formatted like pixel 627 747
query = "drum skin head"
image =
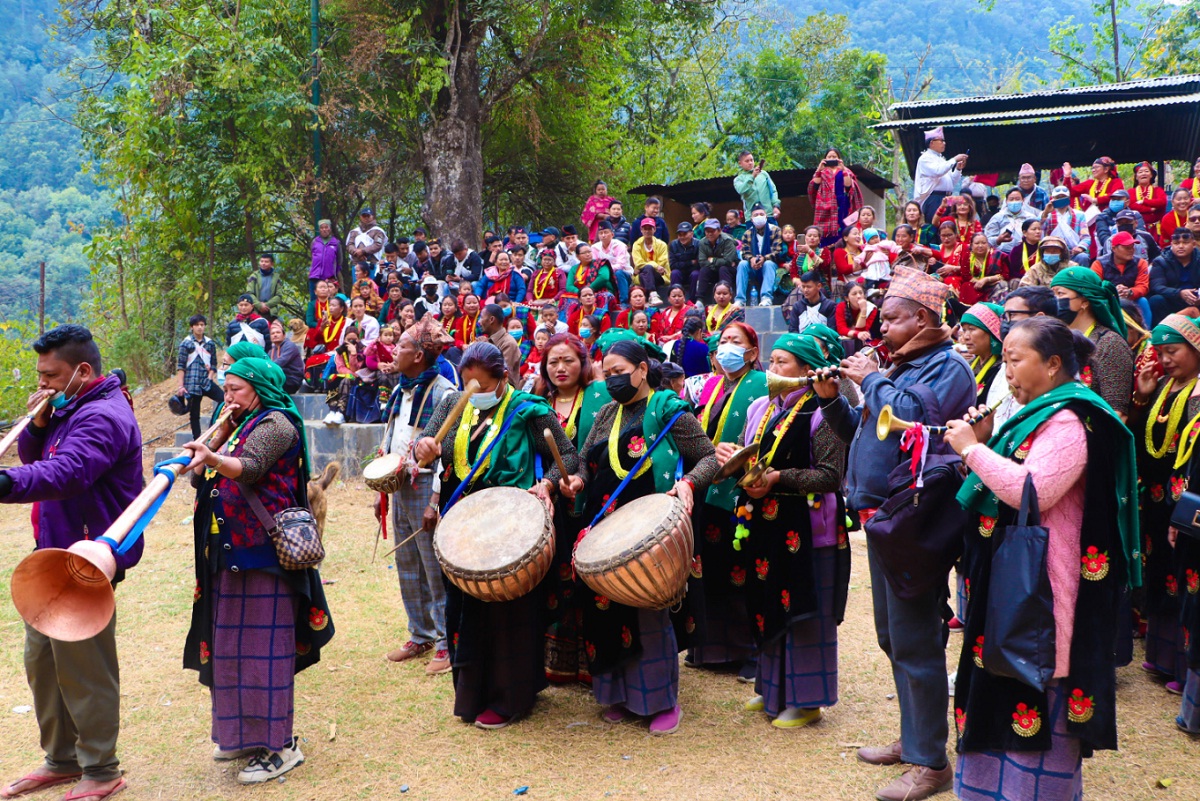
pixel 624 529
pixel 382 466
pixel 491 529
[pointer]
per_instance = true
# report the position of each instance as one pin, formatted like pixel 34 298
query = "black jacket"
pixel 1168 276
pixel 685 258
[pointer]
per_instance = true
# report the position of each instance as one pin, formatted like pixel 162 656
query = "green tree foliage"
pixel 1120 40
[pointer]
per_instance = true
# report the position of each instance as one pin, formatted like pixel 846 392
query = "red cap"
pixel 1122 238
pixel 647 221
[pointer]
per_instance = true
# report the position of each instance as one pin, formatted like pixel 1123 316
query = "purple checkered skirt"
pixel 1164 645
pixel 1054 775
pixel 800 669
pixel 254 661
pixel 1189 710
pixel 651 684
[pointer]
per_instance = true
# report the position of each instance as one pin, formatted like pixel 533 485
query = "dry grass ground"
pixel 371 727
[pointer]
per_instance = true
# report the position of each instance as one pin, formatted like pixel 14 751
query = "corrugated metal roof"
pixel 1124 86
pixel 1028 114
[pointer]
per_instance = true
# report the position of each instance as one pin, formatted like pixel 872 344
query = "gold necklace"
pixel 1172 418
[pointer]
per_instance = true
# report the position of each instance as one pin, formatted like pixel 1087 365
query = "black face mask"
pixel 1064 311
pixel 1005 327
pixel 620 387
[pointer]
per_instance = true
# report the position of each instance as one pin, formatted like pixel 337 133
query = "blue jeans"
pixel 622 285
pixel 765 273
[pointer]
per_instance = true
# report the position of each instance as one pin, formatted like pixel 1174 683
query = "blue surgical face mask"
pixel 485 400
pixel 731 357
pixel 1014 206
pixel 1116 205
pixel 221 377
pixel 1051 258
pixel 517 334
pixel 1060 202
pixel 584 333
pixel 60 399
pixel 508 311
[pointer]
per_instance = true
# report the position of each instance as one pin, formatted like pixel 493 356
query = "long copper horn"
pixel 66 594
pixel 11 437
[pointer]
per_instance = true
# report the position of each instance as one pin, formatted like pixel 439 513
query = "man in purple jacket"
pixel 325 255
pixel 81 466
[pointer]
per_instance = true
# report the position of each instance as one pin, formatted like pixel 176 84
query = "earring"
pixel 1052 372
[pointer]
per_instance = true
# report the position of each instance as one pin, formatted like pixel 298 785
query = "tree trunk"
pixel 452 153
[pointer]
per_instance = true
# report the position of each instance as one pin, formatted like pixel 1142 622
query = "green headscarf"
pixel 805 348
pixel 613 336
pixel 267 379
pixel 1176 329
pixel 245 349
pixel 831 338
pixel 1106 305
pixel 971 319
pixel 652 349
pixel 975 496
pixel 714 342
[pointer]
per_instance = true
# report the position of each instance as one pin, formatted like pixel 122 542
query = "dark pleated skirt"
pixel 509 671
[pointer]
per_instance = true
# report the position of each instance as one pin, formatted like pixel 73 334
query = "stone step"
pixel 765 319
pixel 183 437
pixel 163 454
pixel 312 406
pixel 350 443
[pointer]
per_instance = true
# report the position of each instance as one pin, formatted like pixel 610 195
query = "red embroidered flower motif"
pixel 843 540
pixel 770 509
pixel 1192 579
pixel 1095 564
pixel 786 597
pixel 1085 375
pixel 552 601
pixel 1172 586
pixel 761 566
pixel 637 446
pixel 204 653
pixel 960 720
pixel 690 624
pixel 455 639
pixel 967 587
pixel 761 622
pixel 602 602
pixel 1156 493
pixel 1026 721
pixel 302 648
pixel 738 576
pixel 977 651
pixel 1174 446
pixel 626 637
pixel 1023 449
pixel 590 649
pixel 697 567
pixel 712 533
pixel 1079 707
pixel 793 541
pixel 317 619
pixel 564 572
pixel 1177 487
pixel 196 594
pixel 607 509
pixel 986 526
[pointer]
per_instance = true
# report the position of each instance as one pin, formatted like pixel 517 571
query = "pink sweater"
pixel 1059 481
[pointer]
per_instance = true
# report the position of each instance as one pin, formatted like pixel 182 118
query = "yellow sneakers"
pixel 794 718
pixel 755 704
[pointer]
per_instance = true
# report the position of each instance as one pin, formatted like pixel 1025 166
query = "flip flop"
pixel 97 794
pixel 43 780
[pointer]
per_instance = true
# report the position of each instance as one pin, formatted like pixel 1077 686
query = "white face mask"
pixel 759 220
pixel 485 400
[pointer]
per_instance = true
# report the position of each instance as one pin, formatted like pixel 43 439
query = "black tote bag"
pixel 1018 632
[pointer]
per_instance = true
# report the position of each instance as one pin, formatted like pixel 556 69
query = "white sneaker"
pixel 271 765
pixel 765 302
pixel 655 300
pixel 740 304
pixel 220 755
pixel 335 419
pixel 951 680
pixel 328 419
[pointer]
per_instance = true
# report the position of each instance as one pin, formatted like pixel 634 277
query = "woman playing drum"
pixel 791 535
pixel 254 625
pixel 633 653
pixel 567 384
pixel 496 648
pixel 723 632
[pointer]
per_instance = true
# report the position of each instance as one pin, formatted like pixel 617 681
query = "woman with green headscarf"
pixel 791 537
pixel 1090 304
pixel 1164 421
pixel 254 625
pixel 981 334
pixel 1032 741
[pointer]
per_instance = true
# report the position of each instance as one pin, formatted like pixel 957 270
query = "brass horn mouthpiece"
pixel 887 423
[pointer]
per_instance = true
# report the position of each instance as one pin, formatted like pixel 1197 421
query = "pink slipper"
pixel 614 714
pixel 491 720
pixel 667 722
pixel 43 781
pixel 97 794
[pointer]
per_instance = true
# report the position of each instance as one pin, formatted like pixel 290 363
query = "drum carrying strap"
pixel 612 499
pixel 466 482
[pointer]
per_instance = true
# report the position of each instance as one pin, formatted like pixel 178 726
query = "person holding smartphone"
pixel 834 194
